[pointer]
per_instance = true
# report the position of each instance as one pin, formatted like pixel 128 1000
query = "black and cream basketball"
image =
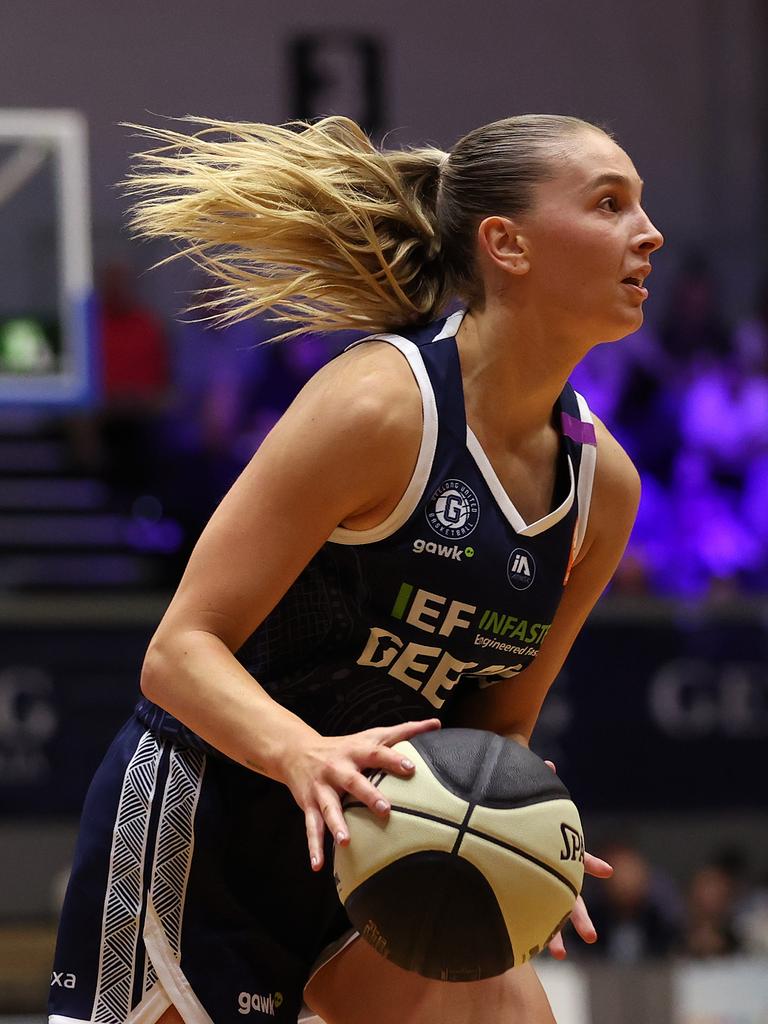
pixel 478 864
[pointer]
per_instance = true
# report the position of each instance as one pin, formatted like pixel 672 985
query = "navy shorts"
pixel 191 886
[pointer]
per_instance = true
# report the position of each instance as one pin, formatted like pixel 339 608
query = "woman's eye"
pixel 614 205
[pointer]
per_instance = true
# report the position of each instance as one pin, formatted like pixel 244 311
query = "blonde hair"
pixel 309 221
pixel 314 224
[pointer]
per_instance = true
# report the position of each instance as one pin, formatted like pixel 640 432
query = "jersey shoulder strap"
pixel 578 431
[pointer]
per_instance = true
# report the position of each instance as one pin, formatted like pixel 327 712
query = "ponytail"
pixel 307 221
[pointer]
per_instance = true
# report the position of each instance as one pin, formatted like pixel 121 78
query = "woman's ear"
pixel 501 240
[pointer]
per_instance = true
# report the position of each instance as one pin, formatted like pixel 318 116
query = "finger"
pixel 595 866
pixel 396 733
pixel 551 764
pixel 556 947
pixel 328 801
pixel 315 835
pixel 360 788
pixel 383 757
pixel 582 922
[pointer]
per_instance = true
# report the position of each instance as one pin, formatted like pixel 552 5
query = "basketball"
pixel 478 864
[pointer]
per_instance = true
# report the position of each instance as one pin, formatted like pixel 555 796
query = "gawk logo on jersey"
pixel 452 551
pixel 453 511
pixel 267 1004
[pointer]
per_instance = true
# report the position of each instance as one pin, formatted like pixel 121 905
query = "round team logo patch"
pixel 453 510
pixel 521 569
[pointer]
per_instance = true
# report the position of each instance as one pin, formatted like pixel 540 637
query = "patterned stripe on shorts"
pixel 124 897
pixel 173 852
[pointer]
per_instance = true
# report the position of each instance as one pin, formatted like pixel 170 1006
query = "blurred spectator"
pixel 751 336
pixel 136 383
pixel 289 365
pixel 694 329
pixel 724 416
pixel 636 911
pixel 751 346
pixel 648 550
pixel 119 440
pixel 698 432
pixel 749 901
pixel 720 482
pixel 232 386
pixel 623 383
pixel 134 352
pixel 709 542
pixel 710 929
pixel 751 920
pixel 213 372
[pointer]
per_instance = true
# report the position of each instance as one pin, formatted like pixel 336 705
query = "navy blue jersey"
pixel 191 883
pixel 454 589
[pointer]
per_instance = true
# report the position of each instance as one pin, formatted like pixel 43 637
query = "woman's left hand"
pixel 580 918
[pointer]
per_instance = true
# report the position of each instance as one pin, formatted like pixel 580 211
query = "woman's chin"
pixel 629 326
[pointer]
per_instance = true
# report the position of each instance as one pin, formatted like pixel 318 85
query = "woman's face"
pixel 586 234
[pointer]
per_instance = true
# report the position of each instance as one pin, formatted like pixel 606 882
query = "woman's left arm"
pixel 511 708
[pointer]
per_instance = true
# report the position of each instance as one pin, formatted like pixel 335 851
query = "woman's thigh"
pixel 360 987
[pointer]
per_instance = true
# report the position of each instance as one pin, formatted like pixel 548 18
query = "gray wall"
pixel 680 81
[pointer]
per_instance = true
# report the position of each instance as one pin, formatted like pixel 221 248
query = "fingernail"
pixel 313 861
pixel 340 837
pixel 408 765
pixel 381 806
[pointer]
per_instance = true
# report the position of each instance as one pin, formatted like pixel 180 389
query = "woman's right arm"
pixel 343 453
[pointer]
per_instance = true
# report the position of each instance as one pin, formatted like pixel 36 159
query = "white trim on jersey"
pixel 586 477
pixel 451 325
pixel 420 477
pixel 503 500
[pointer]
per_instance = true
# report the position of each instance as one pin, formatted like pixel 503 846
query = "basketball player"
pixel 419 540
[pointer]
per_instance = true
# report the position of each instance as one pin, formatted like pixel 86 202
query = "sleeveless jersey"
pixel 454 589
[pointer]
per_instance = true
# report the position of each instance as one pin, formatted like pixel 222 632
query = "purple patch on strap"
pixel 578 430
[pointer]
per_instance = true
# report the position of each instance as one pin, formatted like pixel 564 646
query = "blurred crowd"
pixel 182 413
pixel 182 409
pixel 640 913
pixel 689 402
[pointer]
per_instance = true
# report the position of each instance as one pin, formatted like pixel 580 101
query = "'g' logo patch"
pixel 453 510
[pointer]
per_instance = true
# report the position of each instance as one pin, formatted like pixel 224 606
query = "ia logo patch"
pixel 453 511
pixel 521 569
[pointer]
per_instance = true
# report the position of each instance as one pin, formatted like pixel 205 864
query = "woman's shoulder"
pixel 615 492
pixel 368 387
pixel 615 472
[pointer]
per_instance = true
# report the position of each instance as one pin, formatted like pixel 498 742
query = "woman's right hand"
pixel 327 767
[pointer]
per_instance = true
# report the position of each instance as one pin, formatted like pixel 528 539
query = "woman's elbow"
pixel 155 672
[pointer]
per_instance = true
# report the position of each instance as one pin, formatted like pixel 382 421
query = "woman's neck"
pixel 513 371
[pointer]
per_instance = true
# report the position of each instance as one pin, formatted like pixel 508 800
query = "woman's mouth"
pixel 635 285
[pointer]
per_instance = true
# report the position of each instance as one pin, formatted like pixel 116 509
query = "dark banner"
pixel 63 695
pixel 651 713
pixel 662 714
